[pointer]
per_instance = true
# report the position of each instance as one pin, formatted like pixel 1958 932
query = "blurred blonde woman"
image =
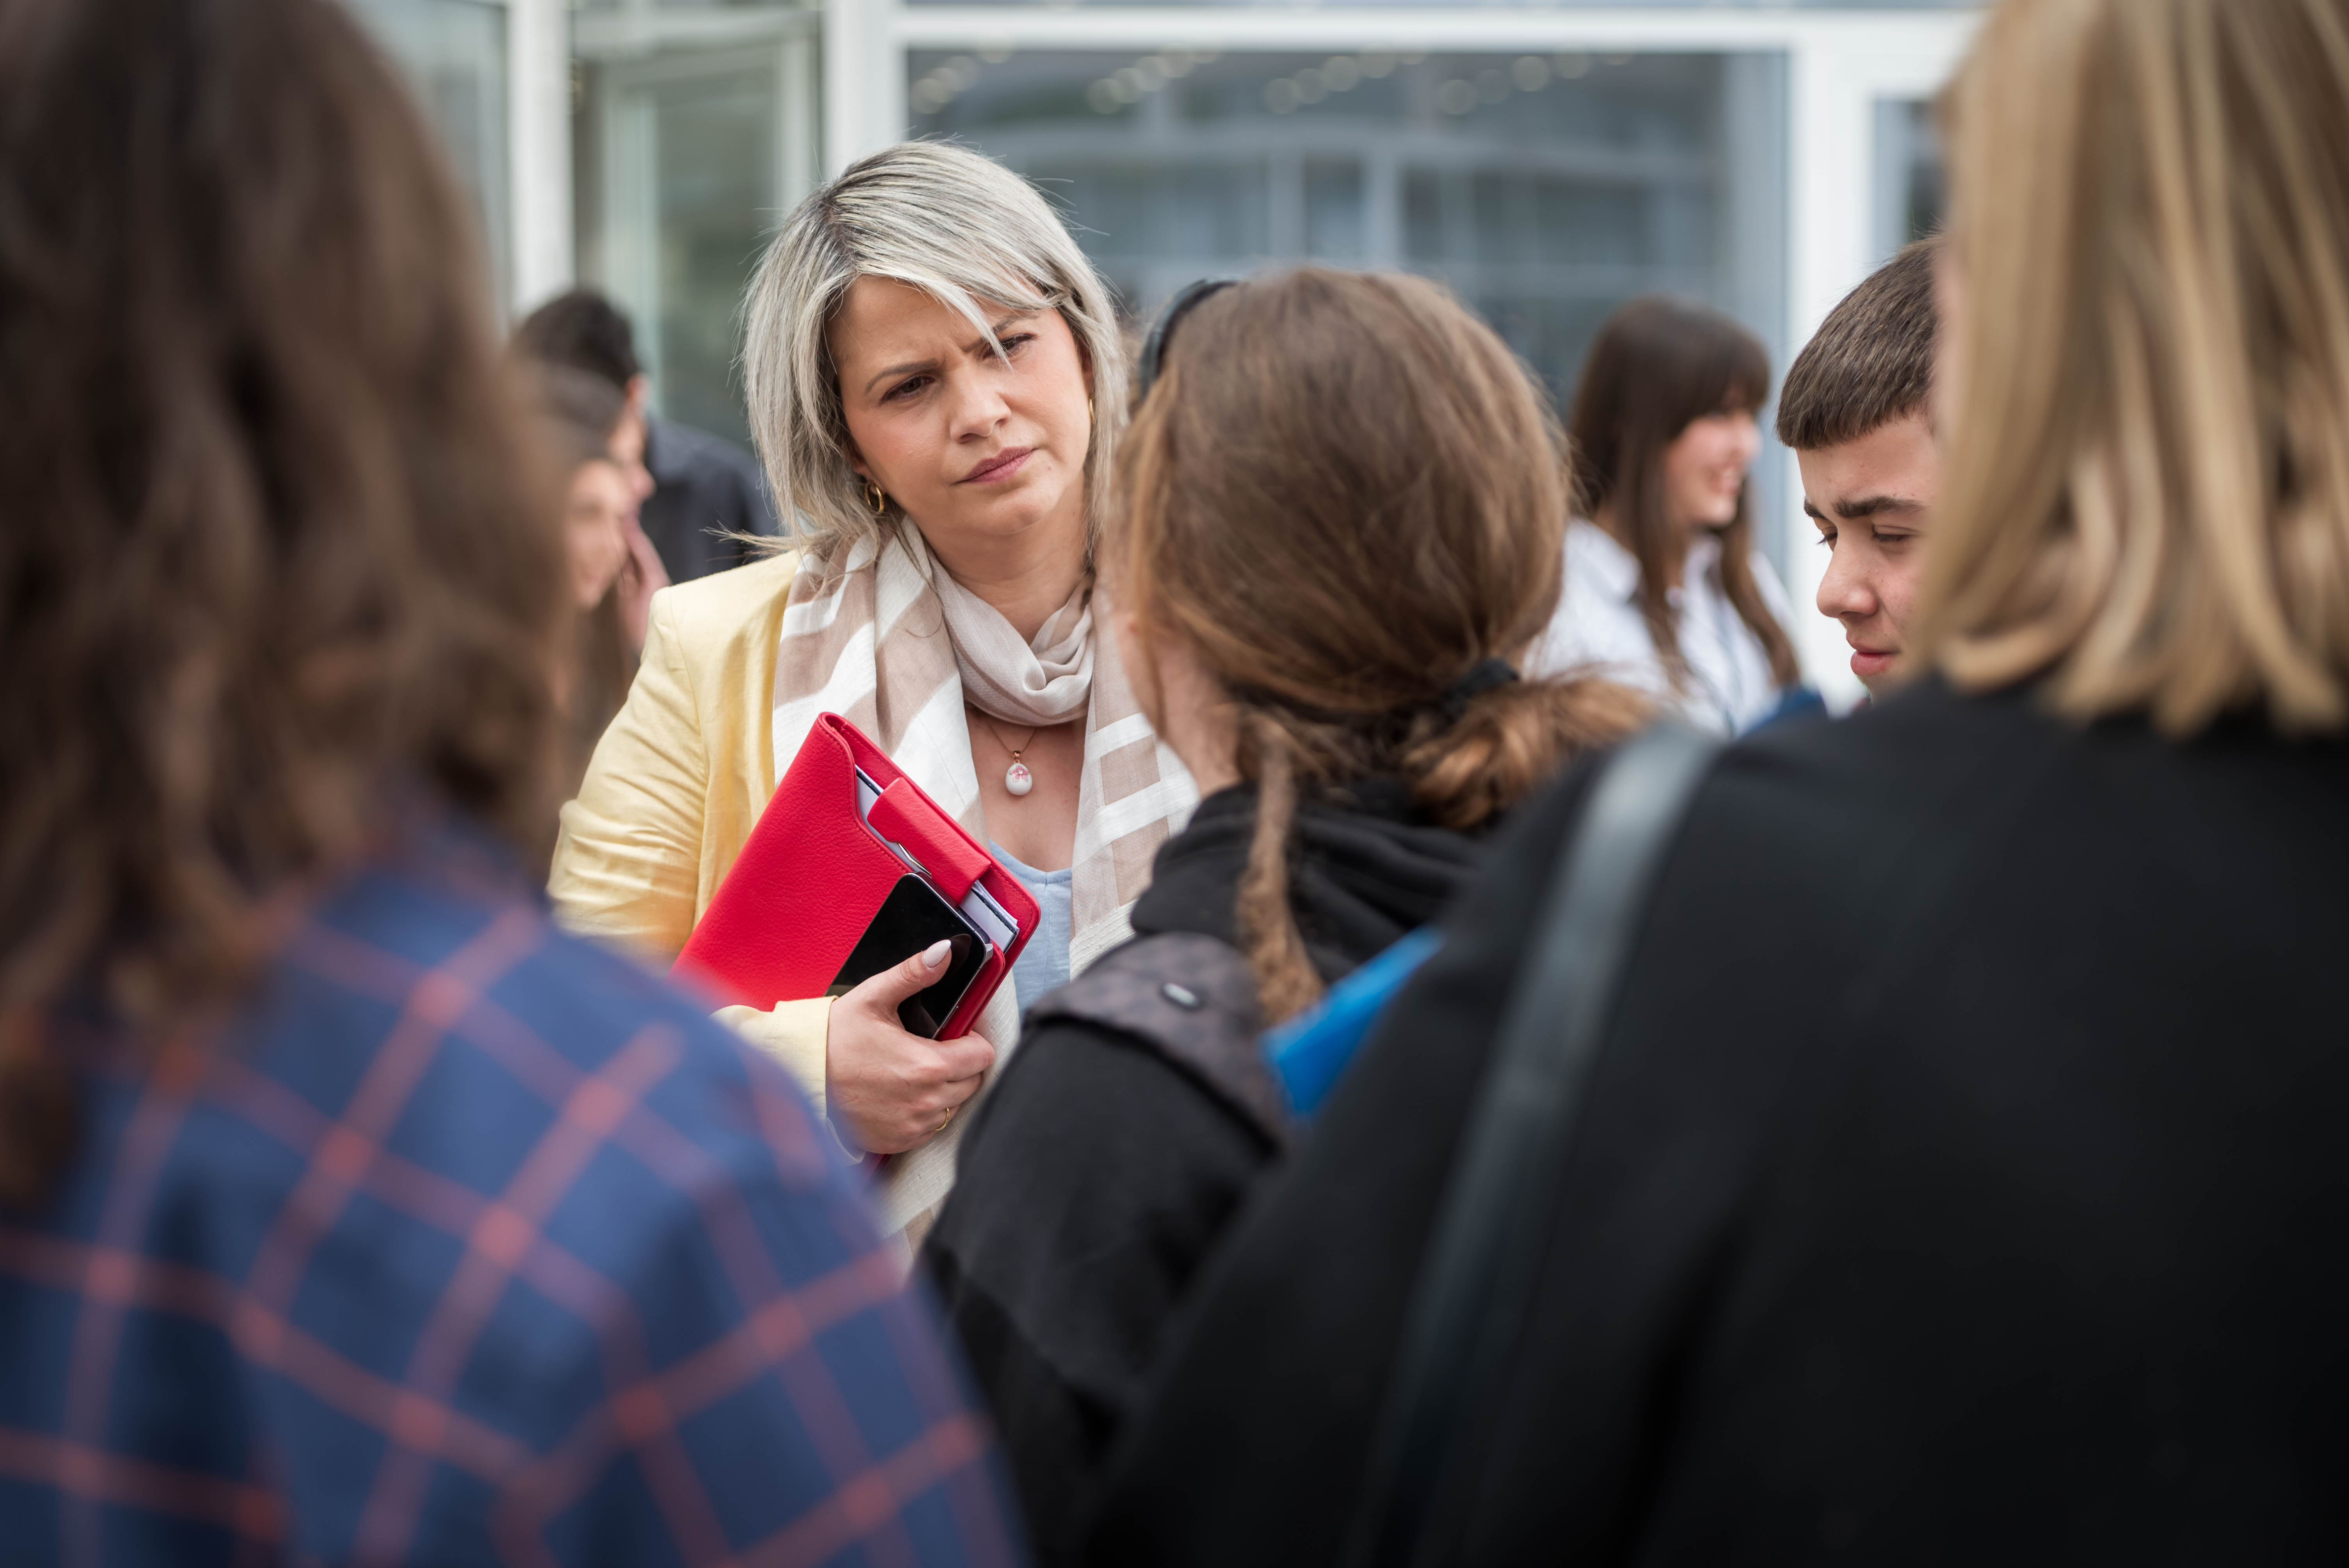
pixel 935 381
pixel 1961 1176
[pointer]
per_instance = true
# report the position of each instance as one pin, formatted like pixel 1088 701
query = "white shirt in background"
pixel 1598 629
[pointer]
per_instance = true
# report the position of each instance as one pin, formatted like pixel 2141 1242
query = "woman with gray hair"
pixel 935 385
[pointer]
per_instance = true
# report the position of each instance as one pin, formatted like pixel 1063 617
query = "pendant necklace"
pixel 1017 779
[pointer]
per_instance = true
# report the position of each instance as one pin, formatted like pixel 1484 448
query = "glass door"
pixel 697 156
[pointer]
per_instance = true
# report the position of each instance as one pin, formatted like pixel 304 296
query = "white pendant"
pixel 1017 779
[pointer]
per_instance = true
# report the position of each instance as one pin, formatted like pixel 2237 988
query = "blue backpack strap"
pixel 1192 999
pixel 1310 1051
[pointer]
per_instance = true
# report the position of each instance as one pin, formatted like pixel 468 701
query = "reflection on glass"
pixel 1545 5
pixel 1333 209
pixel 684 5
pixel 684 190
pixel 454 54
pixel 1911 186
pixel 715 139
pixel 1545 189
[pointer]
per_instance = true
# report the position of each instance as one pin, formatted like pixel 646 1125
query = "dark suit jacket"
pixel 1965 1182
pixel 704 487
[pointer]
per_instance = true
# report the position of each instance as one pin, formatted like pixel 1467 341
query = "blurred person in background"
pixel 1854 411
pixel 935 383
pixel 703 499
pixel 1976 1198
pixel 1359 730
pixel 579 413
pixel 1664 588
pixel 567 371
pixel 348 1212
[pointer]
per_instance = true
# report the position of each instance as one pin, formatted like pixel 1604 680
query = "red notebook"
pixel 844 827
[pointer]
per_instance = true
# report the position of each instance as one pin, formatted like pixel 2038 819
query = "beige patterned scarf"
pixel 883 638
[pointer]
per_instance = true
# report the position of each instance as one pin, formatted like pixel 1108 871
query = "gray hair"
pixel 949 221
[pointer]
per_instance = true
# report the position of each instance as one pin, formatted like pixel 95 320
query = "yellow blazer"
pixel 678 783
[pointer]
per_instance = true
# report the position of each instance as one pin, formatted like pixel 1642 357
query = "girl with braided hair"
pixel 1337 528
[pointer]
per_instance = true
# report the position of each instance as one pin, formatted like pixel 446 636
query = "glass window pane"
pixel 1334 210
pixel 1547 4
pixel 678 156
pixel 1545 189
pixel 1911 188
pixel 454 52
pixel 714 141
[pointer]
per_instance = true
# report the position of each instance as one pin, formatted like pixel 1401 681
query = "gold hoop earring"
pixel 1091 417
pixel 875 498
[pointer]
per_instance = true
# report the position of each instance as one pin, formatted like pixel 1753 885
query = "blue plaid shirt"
pixel 466 1242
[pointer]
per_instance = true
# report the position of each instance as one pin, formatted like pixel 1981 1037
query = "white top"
pixel 1598 629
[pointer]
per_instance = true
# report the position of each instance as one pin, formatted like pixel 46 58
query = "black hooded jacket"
pixel 1962 1182
pixel 1096 1178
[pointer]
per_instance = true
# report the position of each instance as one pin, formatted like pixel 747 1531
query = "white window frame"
pixel 538 149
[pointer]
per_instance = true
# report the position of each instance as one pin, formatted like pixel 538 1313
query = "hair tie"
pixel 1484 678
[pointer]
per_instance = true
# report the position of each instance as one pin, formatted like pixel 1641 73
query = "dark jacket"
pixel 1097 1175
pixel 1964 1182
pixel 704 487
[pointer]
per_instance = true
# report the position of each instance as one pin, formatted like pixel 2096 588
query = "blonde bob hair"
pixel 2147 506
pixel 945 220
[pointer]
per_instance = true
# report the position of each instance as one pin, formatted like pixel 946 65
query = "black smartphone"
pixel 911 918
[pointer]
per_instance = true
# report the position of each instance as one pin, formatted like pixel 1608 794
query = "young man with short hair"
pixel 1854 409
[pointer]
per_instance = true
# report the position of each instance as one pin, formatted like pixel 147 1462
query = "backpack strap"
pixel 1483 1257
pixel 1192 1000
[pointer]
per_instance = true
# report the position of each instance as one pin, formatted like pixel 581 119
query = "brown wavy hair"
pixel 1657 365
pixel 281 549
pixel 1344 494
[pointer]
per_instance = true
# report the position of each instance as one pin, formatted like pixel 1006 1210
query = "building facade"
pixel 1546 162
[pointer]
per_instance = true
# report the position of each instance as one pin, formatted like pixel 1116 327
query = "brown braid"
pixel 1344 494
pixel 1285 981
pixel 1508 742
